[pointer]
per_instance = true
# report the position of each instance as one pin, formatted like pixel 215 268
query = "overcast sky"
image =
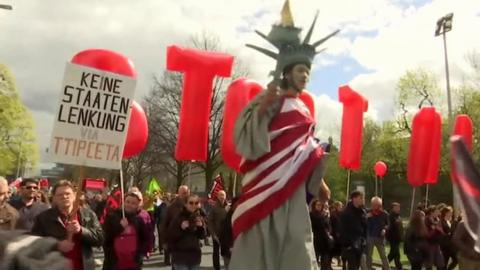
pixel 379 41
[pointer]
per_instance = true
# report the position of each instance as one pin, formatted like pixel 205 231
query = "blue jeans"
pixel 185 267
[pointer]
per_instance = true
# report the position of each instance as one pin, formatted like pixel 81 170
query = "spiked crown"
pixel 286 38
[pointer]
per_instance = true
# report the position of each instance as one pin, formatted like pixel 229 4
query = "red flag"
pixel 216 187
pixel 466 183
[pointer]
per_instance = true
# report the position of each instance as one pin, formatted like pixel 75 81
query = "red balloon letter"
pixel 137 134
pixel 239 93
pixel 199 68
pixel 354 105
pixel 464 128
pixel 425 142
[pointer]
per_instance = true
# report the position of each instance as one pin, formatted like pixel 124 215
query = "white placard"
pixel 91 122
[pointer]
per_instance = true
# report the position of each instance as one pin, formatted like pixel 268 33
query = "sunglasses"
pixel 193 203
pixel 32 187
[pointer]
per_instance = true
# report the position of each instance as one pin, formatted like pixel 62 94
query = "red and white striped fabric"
pixel 217 186
pixel 272 179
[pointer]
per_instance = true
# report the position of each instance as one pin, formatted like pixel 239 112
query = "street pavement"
pixel 156 261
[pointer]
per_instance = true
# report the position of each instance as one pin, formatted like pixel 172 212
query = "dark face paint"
pixel 298 77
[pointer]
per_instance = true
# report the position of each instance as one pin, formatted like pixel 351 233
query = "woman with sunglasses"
pixel 183 237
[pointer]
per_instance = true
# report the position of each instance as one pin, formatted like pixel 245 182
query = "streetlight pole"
pixel 444 25
pixel 449 98
pixel 8 7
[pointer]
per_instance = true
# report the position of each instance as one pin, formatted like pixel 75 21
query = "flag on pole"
pixel 16 183
pixel 466 184
pixel 216 187
pixel 153 187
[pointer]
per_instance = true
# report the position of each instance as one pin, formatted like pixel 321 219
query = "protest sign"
pixel 92 118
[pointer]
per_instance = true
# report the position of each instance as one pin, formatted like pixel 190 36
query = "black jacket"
pixel 321 228
pixel 48 223
pixel 335 224
pixel 395 228
pixel 353 227
pixel 226 235
pixel 171 213
pixel 416 246
pixel 113 229
pixel 446 242
pixel 184 245
pixel 159 213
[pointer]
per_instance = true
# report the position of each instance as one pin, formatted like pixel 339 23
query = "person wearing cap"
pixel 125 239
pixel 27 204
pixel 281 161
pixel 8 214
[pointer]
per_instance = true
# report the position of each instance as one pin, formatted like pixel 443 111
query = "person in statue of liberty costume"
pixel 281 161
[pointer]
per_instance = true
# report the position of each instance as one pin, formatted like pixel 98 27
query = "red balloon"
pixel 199 68
pixel 239 93
pixel 432 173
pixel 464 127
pixel 425 143
pixel 354 105
pixel 380 169
pixel 137 135
pixel 105 60
pixel 116 63
pixel 309 101
pixel 43 183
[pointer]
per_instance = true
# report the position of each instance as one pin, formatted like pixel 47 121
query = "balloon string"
pixel 234 184
pixel 413 203
pixel 348 184
pixel 122 190
pixel 189 172
pixel 381 187
pixel 426 196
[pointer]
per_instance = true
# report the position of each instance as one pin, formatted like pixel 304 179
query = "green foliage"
pixel 418 87
pixel 17 137
pixel 389 142
pixel 335 176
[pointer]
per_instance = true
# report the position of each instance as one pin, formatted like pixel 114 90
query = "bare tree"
pixel 163 105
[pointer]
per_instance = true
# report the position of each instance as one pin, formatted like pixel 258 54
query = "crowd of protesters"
pixel 433 236
pixel 178 225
